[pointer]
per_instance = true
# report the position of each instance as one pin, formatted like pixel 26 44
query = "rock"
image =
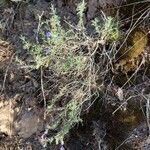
pixel 92 7
pixel 127 57
pixel 17 121
pixel 29 124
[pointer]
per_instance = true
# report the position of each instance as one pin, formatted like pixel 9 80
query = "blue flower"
pixel 62 147
pixel 48 34
pixel 46 50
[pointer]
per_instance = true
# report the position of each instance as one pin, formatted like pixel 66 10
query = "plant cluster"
pixel 69 53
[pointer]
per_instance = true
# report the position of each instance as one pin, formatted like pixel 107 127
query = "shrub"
pixel 70 55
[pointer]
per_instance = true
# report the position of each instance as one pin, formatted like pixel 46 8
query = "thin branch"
pixel 43 93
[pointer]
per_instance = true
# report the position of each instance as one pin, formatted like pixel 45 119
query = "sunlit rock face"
pixel 16 121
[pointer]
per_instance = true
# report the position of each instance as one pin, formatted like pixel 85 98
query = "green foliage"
pixel 69 54
pixel 55 22
pixel 80 12
pixel 68 118
pixel 108 30
pixel 97 25
pixel 37 53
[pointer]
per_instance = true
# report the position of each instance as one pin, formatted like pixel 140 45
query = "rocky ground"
pixel 117 120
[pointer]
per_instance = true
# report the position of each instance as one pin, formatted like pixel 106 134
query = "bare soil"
pixel 22 121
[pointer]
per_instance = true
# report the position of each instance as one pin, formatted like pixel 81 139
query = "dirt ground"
pixel 104 127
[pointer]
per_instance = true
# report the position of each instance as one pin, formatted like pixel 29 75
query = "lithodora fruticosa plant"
pixel 69 53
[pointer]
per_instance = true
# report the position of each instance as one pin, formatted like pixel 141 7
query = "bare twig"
pixel 148 113
pixel 6 72
pixel 43 93
pixel 39 26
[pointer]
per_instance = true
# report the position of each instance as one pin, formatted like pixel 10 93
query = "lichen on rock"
pixel 127 57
